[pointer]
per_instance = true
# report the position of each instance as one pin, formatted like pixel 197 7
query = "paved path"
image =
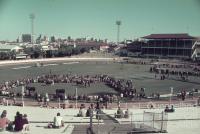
pixel 108 126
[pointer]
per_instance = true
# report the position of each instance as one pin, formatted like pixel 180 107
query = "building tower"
pixel 118 23
pixel 32 17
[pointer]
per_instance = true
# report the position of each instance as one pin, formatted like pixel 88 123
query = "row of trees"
pixel 63 51
pixel 37 52
pixel 7 55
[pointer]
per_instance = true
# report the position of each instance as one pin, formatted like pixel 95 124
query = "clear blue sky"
pixel 96 18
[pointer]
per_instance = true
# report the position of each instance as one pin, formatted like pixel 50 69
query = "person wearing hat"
pixel 4 121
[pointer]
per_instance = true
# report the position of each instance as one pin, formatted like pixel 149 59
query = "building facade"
pixel 168 45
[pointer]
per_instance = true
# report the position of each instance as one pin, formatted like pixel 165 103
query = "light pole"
pixel 170 100
pixel 118 23
pixel 22 96
pixel 76 97
pixel 32 17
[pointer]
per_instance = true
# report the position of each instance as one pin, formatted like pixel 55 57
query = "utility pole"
pixel 23 96
pixel 76 97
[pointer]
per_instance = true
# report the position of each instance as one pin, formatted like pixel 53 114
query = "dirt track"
pixel 10 62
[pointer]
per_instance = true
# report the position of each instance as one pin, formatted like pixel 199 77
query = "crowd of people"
pixel 122 86
pixel 91 111
pixel 125 88
pixel 183 71
pixel 167 109
pixel 121 114
pixel 19 123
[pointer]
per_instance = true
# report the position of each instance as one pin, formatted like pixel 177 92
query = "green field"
pixel 138 73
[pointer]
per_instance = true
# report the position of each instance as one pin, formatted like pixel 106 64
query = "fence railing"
pixel 143 122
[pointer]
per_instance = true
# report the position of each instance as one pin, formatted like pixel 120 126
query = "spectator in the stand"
pixel 17 114
pixel 183 95
pixel 25 119
pixel 80 113
pixel 98 112
pixel 4 101
pixel 126 115
pixel 14 100
pixel 97 105
pixel 172 109
pixel 120 113
pixel 198 101
pixel 3 121
pixel 169 110
pixel 18 122
pixel 58 121
pixel 166 108
pixel 88 112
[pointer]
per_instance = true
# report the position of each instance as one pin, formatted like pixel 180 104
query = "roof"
pixel 169 36
pixel 91 44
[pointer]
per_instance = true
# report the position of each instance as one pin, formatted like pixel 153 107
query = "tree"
pixel 83 50
pixel 69 38
pixel 76 50
pixel 4 55
pixel 53 39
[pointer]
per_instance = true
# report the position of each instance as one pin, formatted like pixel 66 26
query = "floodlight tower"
pixel 32 17
pixel 118 23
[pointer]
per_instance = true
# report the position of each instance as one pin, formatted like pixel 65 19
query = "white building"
pixel 196 51
pixel 9 48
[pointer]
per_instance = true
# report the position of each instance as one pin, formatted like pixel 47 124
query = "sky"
pixel 97 18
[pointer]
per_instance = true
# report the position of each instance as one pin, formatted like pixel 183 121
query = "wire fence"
pixel 140 122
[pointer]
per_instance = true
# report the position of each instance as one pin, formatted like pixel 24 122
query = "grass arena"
pixel 138 73
pixel 107 72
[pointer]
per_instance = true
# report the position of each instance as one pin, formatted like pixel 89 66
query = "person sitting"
pixel 80 113
pixel 166 108
pixel 198 102
pixel 25 121
pixel 3 121
pixel 120 113
pixel 126 115
pixel 17 114
pixel 58 121
pixel 172 109
pixel 98 114
pixel 18 122
pixel 88 112
pixel 169 110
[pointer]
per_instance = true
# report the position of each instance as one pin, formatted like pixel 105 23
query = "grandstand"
pixel 168 45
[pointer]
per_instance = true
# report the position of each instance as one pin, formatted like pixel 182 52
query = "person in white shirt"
pixel 58 121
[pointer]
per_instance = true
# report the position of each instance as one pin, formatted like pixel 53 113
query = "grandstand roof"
pixel 169 36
